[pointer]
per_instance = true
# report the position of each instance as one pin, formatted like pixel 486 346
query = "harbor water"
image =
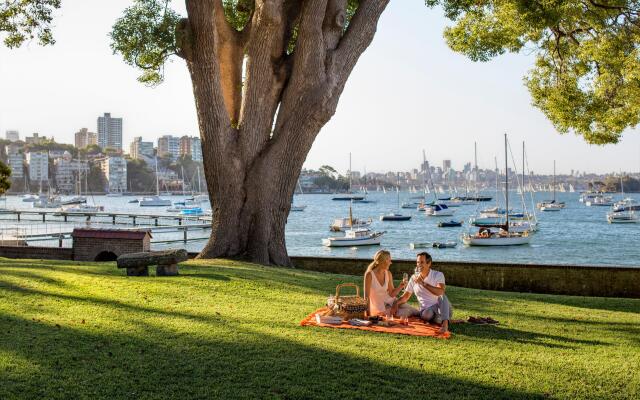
pixel 576 235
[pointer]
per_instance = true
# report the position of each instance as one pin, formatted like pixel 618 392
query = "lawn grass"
pixel 230 330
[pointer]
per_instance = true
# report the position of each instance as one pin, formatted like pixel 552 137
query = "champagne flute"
pixel 405 279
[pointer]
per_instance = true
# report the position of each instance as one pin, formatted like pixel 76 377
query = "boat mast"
pixel 157 180
pixel 475 168
pixel 349 172
pixel 554 181
pixel 182 170
pixel 506 181
pixel 424 177
pixel 398 188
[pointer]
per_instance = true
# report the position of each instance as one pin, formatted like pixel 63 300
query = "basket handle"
pixel 342 285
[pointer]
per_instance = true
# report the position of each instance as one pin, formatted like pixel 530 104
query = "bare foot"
pixel 444 328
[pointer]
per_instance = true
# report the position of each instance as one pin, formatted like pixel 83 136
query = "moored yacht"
pixel 355 237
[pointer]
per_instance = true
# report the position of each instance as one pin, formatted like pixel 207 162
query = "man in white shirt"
pixel 428 286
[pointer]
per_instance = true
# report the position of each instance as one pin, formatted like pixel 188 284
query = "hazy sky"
pixel 408 92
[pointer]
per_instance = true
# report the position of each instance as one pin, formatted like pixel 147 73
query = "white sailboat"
pixel 396 216
pixel 354 236
pixel 349 196
pixel 505 236
pixel 155 201
pixel 298 207
pixel 552 205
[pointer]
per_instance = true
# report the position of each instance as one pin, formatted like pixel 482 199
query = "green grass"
pixel 230 330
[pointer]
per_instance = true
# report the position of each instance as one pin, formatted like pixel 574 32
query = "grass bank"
pixel 230 330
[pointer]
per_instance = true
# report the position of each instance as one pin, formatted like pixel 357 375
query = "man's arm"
pixel 404 298
pixel 436 290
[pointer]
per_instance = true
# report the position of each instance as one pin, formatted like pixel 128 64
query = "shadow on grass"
pixel 503 333
pixel 59 362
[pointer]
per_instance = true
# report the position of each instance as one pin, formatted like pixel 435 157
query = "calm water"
pixel 576 235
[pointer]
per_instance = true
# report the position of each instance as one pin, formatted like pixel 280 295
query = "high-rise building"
pixel 196 149
pixel 84 138
pixel 15 161
pixel 13 136
pixel 138 148
pixel 38 166
pixel 110 132
pixel 169 145
pixel 114 169
pixel 191 146
pixel 446 165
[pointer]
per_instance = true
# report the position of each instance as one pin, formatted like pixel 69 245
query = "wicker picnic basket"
pixel 347 307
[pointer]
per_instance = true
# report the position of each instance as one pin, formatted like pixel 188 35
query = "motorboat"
pixel 298 208
pixel 114 194
pixel 437 210
pixel 192 211
pixel 438 245
pixel 29 198
pixel 412 205
pixel 154 201
pixel 344 224
pixel 622 217
pixel 587 196
pixel 449 224
pixel 47 202
pixel 622 205
pixel 348 197
pixel 74 200
pixel 355 237
pixel 133 201
pixel 395 217
pixel 550 206
pixel 80 208
pixel 601 201
pixel 501 238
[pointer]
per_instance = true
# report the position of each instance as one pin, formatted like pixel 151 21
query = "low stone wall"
pixel 551 279
pixel 38 253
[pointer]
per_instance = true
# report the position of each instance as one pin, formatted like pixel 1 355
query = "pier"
pixel 134 218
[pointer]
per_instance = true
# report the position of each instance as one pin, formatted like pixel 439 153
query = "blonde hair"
pixel 380 256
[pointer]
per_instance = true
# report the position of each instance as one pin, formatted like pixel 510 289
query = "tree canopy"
pixel 26 20
pixel 586 77
pixel 5 178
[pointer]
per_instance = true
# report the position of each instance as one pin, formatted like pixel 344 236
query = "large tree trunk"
pixel 257 133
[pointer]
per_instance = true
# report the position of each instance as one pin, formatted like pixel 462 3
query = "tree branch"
pixel 263 85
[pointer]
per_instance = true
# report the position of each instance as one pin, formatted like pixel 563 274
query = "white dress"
pixel 378 294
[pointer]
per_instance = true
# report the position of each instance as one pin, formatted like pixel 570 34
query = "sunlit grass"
pixel 225 329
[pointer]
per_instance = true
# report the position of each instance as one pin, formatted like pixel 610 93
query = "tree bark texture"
pixel 257 129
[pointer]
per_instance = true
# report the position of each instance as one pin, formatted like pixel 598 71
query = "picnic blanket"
pixel 416 327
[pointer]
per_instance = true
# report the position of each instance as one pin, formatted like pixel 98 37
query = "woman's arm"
pixel 393 292
pixel 367 288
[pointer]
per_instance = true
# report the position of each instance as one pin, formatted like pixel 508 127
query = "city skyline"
pixel 407 83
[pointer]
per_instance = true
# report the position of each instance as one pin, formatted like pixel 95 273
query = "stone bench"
pixel 137 264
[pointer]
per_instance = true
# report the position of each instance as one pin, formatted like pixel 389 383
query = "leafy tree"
pixel 586 78
pixel 96 179
pixel 268 74
pixel 5 178
pixel 25 20
pixel 140 177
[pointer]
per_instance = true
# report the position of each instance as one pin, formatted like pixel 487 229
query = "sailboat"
pixel 364 200
pixel 436 208
pixel 354 236
pixel 505 237
pixel 349 196
pixel 155 201
pixel 551 205
pixel 396 216
pixel 298 207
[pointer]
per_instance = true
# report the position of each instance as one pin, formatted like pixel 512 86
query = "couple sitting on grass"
pixel 427 284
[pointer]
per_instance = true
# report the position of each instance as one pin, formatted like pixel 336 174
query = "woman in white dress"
pixel 378 285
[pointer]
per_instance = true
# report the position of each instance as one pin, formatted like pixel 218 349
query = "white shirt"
pixel 425 297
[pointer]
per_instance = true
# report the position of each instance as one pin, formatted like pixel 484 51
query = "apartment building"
pixel 68 172
pixel 16 163
pixel 169 145
pixel 12 136
pixel 110 132
pixel 114 169
pixel 84 138
pixel 38 163
pixel 140 149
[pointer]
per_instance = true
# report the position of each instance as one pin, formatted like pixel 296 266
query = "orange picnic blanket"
pixel 416 327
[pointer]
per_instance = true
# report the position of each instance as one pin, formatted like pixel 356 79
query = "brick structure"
pixel 108 244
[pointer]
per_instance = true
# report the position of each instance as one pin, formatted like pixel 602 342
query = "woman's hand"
pixel 402 285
